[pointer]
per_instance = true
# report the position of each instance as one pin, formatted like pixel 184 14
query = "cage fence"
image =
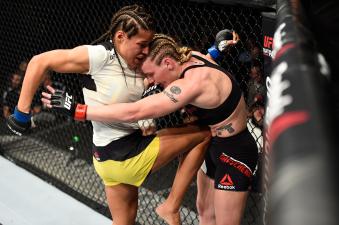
pixel 59 149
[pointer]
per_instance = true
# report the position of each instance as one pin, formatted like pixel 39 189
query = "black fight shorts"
pixel 231 161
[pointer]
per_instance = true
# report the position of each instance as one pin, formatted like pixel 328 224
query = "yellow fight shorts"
pixel 128 160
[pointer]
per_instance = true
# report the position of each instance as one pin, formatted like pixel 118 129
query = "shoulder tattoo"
pixel 171 96
pixel 175 90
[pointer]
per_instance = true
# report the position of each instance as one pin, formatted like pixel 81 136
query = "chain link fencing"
pixel 59 149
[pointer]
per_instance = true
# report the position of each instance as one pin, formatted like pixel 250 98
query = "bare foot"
pixel 170 217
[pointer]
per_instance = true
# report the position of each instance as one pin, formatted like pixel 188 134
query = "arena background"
pixel 59 149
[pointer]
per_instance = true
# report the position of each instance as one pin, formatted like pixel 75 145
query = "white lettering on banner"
pixel 279 34
pixel 68 102
pixel 275 87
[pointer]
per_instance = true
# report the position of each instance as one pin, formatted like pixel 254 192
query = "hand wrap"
pixel 19 123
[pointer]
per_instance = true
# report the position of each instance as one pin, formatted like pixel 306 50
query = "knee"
pixel 205 137
pixel 208 136
pixel 205 210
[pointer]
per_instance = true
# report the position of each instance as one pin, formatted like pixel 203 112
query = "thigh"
pixel 132 171
pixel 229 206
pixel 208 166
pixel 122 200
pixel 174 141
pixel 205 195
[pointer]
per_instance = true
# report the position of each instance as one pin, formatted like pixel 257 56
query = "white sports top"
pixel 111 87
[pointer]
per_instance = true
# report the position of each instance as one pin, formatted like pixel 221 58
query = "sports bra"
pixel 223 111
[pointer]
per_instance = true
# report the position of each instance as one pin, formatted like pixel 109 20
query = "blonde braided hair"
pixel 163 45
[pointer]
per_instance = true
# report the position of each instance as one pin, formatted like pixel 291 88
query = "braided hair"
pixel 129 19
pixel 163 45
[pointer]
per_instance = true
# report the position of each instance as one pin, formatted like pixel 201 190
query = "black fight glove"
pixel 221 39
pixel 19 123
pixel 64 103
pixel 220 44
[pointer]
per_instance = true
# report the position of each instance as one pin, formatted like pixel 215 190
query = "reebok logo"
pixel 227 180
pixel 68 101
pixel 226 183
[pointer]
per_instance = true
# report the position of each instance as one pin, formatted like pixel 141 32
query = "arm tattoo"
pixel 175 90
pixel 227 127
pixel 170 96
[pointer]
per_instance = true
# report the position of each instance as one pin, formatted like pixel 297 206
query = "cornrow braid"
pixel 163 45
pixel 163 36
pixel 129 19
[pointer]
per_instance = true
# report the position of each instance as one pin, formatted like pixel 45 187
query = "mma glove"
pixel 64 103
pixel 220 44
pixel 19 122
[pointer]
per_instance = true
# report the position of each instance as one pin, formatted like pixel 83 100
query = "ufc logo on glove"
pixel 68 101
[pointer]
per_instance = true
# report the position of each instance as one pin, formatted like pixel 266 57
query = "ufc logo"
pixel 268 41
pixel 68 101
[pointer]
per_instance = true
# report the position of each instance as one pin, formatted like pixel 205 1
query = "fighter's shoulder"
pixel 197 74
pixel 198 53
pixel 101 50
pixel 95 48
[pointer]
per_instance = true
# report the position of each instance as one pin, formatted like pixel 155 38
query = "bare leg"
pixel 123 202
pixel 176 141
pixel 205 199
pixel 189 164
pixel 229 206
pixel 168 210
pixel 173 142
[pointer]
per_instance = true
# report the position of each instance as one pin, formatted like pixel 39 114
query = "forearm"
pixel 122 112
pixel 62 61
pixel 151 107
pixel 33 77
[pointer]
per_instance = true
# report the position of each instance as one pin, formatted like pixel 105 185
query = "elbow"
pixel 128 119
pixel 126 116
pixel 137 114
pixel 133 112
pixel 133 117
pixel 37 62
